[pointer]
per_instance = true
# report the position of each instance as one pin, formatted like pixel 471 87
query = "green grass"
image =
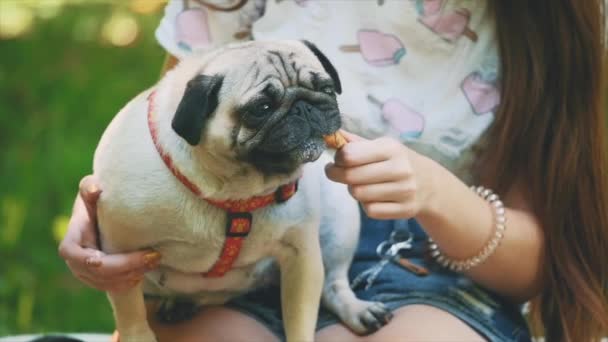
pixel 58 91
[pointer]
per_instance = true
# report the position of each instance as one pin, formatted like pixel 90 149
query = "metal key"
pixel 410 266
pixel 387 254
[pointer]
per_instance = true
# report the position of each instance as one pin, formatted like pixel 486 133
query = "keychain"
pixel 386 251
pixel 401 232
pixel 410 266
pixel 389 251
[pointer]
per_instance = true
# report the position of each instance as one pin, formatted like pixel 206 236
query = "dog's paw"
pixel 367 317
pixel 176 310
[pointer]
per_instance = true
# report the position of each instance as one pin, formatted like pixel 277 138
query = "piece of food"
pixel 335 141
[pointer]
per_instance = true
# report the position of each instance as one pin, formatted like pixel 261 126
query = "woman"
pixel 504 94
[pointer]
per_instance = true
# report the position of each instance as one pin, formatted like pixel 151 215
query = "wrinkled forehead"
pixel 246 66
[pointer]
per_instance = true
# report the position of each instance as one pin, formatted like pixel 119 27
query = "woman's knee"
pixel 410 323
pixel 424 322
pixel 213 324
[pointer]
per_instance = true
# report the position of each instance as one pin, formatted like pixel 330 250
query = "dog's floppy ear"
pixel 199 101
pixel 329 68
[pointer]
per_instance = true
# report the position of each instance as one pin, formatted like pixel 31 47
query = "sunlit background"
pixel 66 67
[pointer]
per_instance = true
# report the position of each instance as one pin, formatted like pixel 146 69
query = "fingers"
pixel 111 272
pixel 101 265
pixel 382 192
pixel 350 137
pixel 360 152
pixel 116 264
pixel 89 192
pixel 387 210
pixel 107 272
pixel 103 271
pixel 366 174
pixel 70 249
pixel 80 235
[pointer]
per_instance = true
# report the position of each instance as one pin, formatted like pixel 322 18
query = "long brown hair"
pixel 550 131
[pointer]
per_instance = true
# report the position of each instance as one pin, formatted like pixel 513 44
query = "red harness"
pixel 238 212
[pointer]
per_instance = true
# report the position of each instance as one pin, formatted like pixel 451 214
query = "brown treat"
pixel 335 141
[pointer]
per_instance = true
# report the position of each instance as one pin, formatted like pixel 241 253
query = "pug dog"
pixel 220 168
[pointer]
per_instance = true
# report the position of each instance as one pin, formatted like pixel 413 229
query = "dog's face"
pixel 263 103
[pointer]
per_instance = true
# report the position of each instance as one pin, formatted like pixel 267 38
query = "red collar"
pixel 239 218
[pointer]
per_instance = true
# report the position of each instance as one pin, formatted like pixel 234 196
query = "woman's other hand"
pixel 80 248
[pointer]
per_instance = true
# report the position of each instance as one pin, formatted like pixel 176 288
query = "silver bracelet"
pixel 499 225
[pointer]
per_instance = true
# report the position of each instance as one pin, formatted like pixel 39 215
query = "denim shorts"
pixel 490 315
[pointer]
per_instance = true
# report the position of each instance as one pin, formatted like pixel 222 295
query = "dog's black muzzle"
pixel 293 135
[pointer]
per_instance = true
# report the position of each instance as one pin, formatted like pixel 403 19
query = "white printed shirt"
pixel 422 71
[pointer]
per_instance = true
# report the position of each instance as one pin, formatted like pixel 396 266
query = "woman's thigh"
pixel 213 324
pixel 410 323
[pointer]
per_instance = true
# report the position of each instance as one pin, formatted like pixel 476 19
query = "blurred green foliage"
pixel 61 83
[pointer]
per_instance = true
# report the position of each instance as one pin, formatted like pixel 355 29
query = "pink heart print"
pixel 483 95
pixel 377 48
pixel 192 29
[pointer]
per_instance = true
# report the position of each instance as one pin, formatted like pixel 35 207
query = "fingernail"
pixel 92 261
pixel 137 278
pixel 152 266
pixel 92 188
pixel 134 282
pixel 151 259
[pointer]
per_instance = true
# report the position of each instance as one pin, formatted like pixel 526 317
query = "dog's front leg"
pixel 130 315
pixel 302 276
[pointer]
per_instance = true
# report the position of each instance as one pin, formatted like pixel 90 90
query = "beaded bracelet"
pixel 500 226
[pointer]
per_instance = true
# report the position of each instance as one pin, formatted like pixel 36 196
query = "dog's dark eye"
pixel 262 109
pixel 329 90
